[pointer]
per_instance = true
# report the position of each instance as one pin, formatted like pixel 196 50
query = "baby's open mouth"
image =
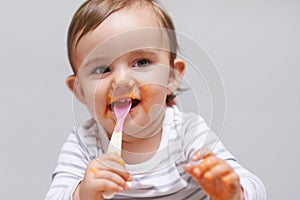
pixel 134 103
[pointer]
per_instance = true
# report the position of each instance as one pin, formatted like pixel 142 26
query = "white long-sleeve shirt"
pixel 161 177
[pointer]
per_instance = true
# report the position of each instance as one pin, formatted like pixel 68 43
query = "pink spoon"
pixel 121 110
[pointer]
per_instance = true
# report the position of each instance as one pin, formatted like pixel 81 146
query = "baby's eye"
pixel 142 63
pixel 102 70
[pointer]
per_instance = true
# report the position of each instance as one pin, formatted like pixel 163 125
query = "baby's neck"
pixel 140 150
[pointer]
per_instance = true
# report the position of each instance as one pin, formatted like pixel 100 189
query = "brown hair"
pixel 93 12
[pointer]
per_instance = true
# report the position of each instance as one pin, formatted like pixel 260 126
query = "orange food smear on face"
pixel 153 92
pixel 146 100
pixel 106 115
pixel 145 88
pixel 132 96
pixel 146 109
pixel 109 98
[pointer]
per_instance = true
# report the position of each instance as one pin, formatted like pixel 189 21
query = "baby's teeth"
pixel 124 100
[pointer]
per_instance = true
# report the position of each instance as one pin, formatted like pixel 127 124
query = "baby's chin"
pixel 145 131
pixel 138 136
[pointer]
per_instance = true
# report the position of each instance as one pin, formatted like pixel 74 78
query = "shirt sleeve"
pixel 199 136
pixel 70 169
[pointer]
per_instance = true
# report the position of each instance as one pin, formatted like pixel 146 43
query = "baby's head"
pixel 124 49
pixel 93 12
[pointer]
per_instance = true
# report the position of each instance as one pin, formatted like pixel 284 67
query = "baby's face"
pixel 125 57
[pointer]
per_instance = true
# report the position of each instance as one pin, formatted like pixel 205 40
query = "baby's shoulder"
pixel 185 121
pixel 191 119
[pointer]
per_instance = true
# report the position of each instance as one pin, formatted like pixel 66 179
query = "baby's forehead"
pixel 140 41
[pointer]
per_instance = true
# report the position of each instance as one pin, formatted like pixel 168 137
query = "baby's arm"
pixel 216 177
pixel 105 174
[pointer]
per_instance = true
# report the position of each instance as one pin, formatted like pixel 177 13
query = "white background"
pixel 255 45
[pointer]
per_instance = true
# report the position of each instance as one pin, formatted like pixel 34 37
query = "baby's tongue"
pixel 122 108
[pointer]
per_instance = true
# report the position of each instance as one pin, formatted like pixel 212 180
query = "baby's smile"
pixel 134 102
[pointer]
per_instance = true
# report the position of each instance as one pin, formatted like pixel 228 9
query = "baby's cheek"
pixel 98 106
pixel 150 99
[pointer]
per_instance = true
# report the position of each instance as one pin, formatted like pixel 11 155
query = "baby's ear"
pixel 176 74
pixel 73 84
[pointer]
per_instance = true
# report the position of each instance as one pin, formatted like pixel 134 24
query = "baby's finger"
pixel 201 154
pixel 108 175
pixel 109 163
pixel 189 168
pixel 112 157
pixel 231 184
pixel 231 180
pixel 107 185
pixel 205 166
pixel 111 166
pixel 220 170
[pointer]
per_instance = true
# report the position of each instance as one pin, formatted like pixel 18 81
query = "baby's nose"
pixel 123 83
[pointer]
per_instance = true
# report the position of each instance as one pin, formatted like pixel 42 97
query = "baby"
pixel 125 50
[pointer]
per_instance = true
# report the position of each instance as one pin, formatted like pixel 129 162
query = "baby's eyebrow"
pixel 96 59
pixel 145 51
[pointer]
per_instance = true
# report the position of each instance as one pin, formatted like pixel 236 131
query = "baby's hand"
pixel 105 174
pixel 215 177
